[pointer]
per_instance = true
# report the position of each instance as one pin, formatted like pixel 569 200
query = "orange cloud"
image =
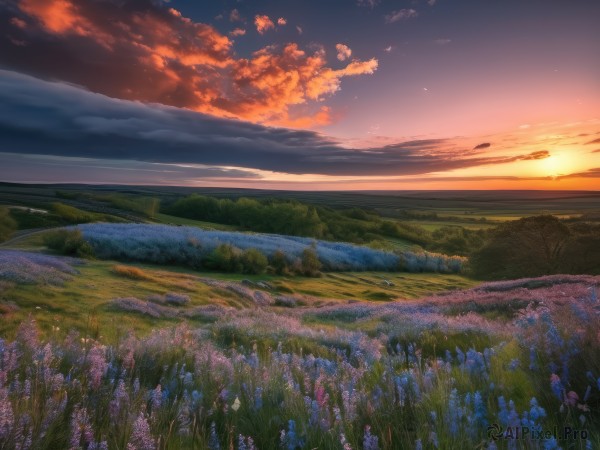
pixel 237 32
pixel 280 80
pixel 343 52
pixel 359 68
pixel 64 17
pixel 263 23
pixel 281 21
pixel 59 16
pixel 149 52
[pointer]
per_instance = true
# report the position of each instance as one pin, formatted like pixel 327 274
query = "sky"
pixel 304 95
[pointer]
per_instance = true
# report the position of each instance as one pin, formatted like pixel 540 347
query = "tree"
pixel 582 254
pixel 528 247
pixel 225 257
pixel 253 261
pixel 279 262
pixel 310 263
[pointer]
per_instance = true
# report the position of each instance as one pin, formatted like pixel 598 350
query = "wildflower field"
pixel 214 362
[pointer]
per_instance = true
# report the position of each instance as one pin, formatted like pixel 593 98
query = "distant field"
pixel 172 220
pixel 473 204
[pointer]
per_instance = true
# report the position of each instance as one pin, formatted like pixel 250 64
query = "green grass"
pixel 173 220
pixel 84 303
pixel 371 285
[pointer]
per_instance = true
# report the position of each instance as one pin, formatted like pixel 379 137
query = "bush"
pixel 72 215
pixel 279 262
pixel 310 262
pixel 225 257
pixel 253 261
pixel 68 242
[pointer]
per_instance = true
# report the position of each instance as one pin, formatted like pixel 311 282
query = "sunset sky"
pixel 336 94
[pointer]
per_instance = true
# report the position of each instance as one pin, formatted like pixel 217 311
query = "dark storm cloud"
pixel 482 146
pixel 41 117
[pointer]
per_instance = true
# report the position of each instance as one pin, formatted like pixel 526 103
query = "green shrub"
pixel 225 257
pixel 279 262
pixel 310 264
pixel 253 261
pixel 68 242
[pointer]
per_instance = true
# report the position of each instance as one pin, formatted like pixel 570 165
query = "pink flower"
pixel 141 439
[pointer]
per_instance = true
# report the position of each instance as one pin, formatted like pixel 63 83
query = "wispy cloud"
pixel 237 32
pixel 482 146
pixel 540 154
pixel 369 3
pixel 401 14
pixel 443 41
pixel 235 16
pixel 343 52
pixel 591 173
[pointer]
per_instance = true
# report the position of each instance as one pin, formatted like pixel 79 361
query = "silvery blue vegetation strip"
pixel 163 244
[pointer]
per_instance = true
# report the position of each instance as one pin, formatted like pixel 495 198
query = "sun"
pixel 557 164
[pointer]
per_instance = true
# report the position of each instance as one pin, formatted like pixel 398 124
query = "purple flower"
pixel 370 442
pixel 213 439
pixel 556 386
pixel 97 366
pixel 7 418
pixel 140 438
pixel 156 398
pixel 120 397
pixel 81 429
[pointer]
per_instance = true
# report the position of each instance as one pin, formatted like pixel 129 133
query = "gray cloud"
pixel 592 173
pixel 52 169
pixel 49 118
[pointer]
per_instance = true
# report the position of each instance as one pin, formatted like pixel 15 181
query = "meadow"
pixel 176 359
pixel 142 343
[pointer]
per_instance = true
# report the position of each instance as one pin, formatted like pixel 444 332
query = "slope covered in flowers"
pixel 435 373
